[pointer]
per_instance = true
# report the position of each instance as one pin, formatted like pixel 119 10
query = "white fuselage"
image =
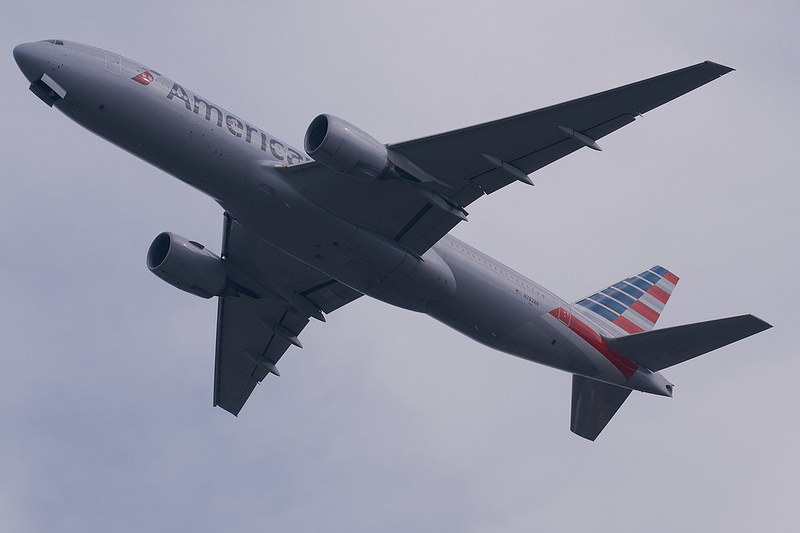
pixel 234 162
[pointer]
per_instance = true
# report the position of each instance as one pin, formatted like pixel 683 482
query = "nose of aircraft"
pixel 29 60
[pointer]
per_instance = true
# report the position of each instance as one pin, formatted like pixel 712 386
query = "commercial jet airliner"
pixel 307 234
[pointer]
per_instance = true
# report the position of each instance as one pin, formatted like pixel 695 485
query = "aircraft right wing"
pixel 460 166
pixel 256 324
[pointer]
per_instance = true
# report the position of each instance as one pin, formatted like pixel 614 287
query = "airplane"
pixel 305 234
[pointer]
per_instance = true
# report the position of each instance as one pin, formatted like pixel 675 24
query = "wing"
pixel 470 162
pixel 593 405
pixel 272 299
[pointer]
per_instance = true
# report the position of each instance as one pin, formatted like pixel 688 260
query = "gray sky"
pixel 387 420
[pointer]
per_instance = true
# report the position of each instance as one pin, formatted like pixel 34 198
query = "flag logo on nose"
pixel 144 78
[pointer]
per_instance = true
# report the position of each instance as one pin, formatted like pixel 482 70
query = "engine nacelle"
pixel 187 265
pixel 339 145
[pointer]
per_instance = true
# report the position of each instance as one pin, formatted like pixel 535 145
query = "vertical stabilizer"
pixel 631 306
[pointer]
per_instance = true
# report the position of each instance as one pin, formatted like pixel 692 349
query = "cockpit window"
pixel 53 41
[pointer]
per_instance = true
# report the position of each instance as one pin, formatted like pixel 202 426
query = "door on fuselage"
pixel 565 315
pixel 113 63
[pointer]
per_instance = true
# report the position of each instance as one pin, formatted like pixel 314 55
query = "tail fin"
pixel 631 306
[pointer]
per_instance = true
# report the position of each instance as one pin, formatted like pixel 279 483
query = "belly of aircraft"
pixel 505 313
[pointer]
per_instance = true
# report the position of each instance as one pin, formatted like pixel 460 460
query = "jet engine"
pixel 187 265
pixel 339 145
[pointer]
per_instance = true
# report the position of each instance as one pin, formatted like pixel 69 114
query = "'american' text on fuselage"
pixel 234 125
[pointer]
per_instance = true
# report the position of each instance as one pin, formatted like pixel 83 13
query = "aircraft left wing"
pixel 460 166
pixel 257 323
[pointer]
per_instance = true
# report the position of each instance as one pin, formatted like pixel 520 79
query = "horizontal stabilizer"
pixel 662 348
pixel 593 405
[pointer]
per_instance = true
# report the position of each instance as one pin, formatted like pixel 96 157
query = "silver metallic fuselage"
pixel 234 162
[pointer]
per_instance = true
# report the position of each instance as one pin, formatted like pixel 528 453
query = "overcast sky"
pixel 388 420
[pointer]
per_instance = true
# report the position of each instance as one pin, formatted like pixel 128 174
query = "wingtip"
pixel 590 438
pixel 721 68
pixel 763 324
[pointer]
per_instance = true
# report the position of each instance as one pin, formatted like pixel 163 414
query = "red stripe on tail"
pixel 627 325
pixel 645 311
pixel 672 278
pixel 659 294
pixel 625 366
